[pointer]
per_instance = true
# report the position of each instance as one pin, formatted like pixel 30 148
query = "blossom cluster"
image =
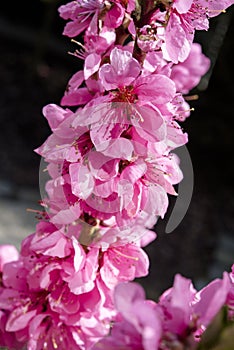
pixel 52 297
pixel 56 294
pixel 177 321
pixel 112 167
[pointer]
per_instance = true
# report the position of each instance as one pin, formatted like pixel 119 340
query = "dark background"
pixel 34 69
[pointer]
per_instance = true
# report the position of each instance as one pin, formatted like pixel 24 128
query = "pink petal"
pixel 156 88
pixel 177 47
pixel 155 200
pixel 79 255
pixel 103 167
pixel 134 171
pixel 8 253
pixel 82 181
pixel 19 320
pixel 122 71
pixel 104 189
pixel 54 114
pixel 75 81
pixel 151 126
pixel 67 216
pixel 76 27
pixel 79 97
pixel 127 293
pixel 215 7
pixel 182 6
pixel 212 298
pixel 114 17
pixel 120 148
pixel 92 64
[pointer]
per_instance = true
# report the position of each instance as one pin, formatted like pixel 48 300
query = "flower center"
pixel 125 94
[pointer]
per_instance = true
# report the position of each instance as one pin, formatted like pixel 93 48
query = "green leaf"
pixel 219 335
pixel 226 341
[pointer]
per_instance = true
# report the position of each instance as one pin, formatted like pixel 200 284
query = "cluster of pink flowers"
pixel 111 165
pixel 57 296
pixel 177 321
pixel 57 293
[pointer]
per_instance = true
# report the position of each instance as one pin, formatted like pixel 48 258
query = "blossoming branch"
pixel 112 167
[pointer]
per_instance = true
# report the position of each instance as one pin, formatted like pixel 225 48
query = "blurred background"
pixel 34 69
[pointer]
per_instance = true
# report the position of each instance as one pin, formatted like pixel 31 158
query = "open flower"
pixel 80 13
pixel 59 292
pixel 122 75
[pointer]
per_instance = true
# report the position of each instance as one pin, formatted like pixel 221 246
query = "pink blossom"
pixel 138 324
pixel 180 317
pixel 96 43
pixel 143 315
pixel 64 142
pixel 114 17
pixel 84 14
pixel 40 303
pixel 127 192
pixel 187 74
pixel 109 121
pixel 188 312
pixel 7 339
pixel 8 253
pixel 111 166
pixel 97 40
pixel 165 171
pixel 64 208
pixel 123 177
pixel 177 305
pixel 81 13
pixel 122 70
pixel 184 19
pixel 123 73
pixel 178 109
pixel 178 39
pixel 123 263
pixel 60 292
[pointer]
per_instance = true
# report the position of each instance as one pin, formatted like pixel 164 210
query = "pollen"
pixel 55 345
